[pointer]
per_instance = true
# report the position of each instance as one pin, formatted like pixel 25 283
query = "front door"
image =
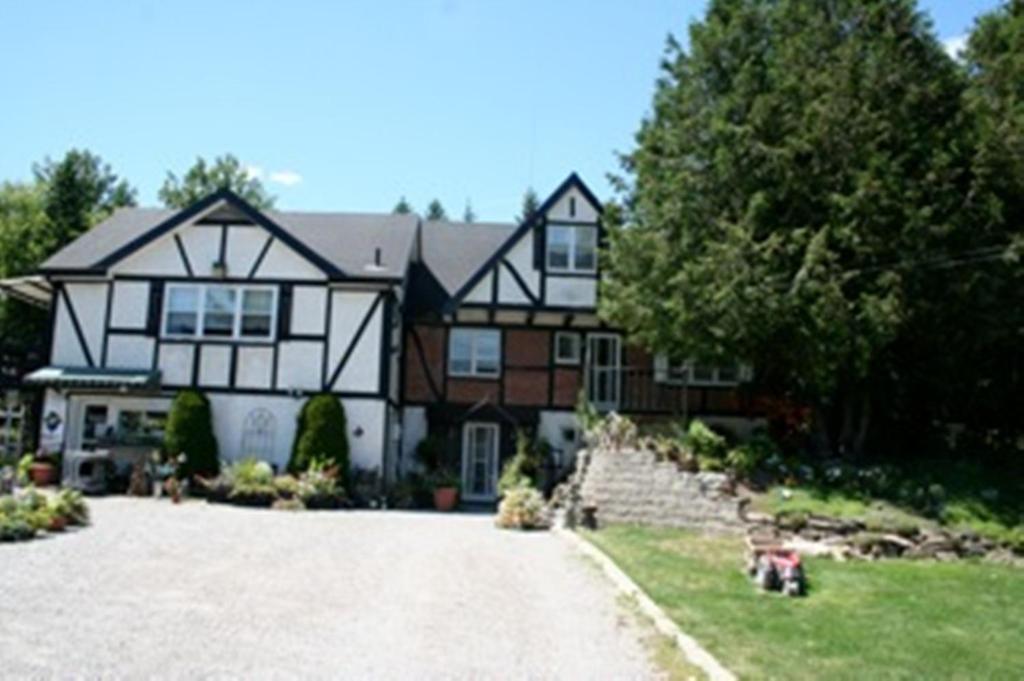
pixel 603 362
pixel 480 461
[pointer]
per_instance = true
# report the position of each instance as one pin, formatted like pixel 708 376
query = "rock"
pixel 934 544
pixel 898 543
pixel 758 518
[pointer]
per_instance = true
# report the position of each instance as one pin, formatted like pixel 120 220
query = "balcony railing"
pixel 635 390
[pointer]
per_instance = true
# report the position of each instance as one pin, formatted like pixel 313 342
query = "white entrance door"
pixel 480 461
pixel 604 355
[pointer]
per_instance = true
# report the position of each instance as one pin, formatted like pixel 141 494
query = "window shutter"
pixel 284 311
pixel 156 306
pixel 661 368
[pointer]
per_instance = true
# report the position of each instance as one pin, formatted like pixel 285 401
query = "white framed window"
pixel 474 352
pixel 568 347
pixel 220 311
pixel 572 248
pixel 697 374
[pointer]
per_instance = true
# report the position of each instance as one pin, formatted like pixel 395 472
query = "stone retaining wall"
pixel 632 486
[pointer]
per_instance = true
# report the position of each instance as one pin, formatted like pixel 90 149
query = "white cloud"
pixel 253 172
pixel 286 177
pixel 956 45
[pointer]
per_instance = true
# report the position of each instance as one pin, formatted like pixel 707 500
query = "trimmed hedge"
pixel 321 435
pixel 190 431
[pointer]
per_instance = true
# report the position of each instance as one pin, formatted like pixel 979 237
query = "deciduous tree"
pixel 202 179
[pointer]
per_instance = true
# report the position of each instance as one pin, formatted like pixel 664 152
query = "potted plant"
pixel 430 451
pixel 446 490
pixel 42 471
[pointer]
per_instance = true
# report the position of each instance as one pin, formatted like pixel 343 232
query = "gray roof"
pixel 454 251
pixel 346 240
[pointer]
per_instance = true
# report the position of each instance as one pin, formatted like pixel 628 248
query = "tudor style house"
pixel 467 331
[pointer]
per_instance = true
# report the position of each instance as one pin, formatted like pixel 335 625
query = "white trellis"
pixel 258 434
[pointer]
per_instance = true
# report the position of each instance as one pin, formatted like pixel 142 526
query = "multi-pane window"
pixel 182 317
pixel 220 311
pixel 567 348
pixel 572 248
pixel 474 352
pixel 257 313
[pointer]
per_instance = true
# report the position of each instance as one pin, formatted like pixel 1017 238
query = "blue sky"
pixel 345 105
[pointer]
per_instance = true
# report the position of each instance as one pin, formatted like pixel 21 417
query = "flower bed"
pixel 27 513
pixel 252 483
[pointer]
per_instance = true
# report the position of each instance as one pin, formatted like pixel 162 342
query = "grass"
pixel 662 651
pixel 885 620
pixel 960 495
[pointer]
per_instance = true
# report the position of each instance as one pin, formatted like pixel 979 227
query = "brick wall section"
pixel 470 391
pixel 567 387
pixel 527 348
pixel 524 387
pixel 632 486
pixel 417 387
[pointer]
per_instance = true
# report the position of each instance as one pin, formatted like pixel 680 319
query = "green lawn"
pixel 885 620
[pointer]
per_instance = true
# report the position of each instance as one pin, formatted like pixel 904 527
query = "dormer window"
pixel 572 248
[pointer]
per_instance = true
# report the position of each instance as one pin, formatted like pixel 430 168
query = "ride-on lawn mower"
pixel 774 568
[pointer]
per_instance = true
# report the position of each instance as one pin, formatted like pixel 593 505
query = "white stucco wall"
pixel 243 246
pixel 308 310
pixel 202 244
pixel 129 304
pixel 175 364
pixel 130 352
pixel 281 262
pixel 299 365
pixel 214 365
pixel 348 309
pixel 254 367
pixel 552 427
pixel 571 291
pixel 585 211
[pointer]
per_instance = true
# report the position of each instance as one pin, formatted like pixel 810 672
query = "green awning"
pixel 83 377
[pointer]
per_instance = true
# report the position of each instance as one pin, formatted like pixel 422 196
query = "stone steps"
pixel 632 486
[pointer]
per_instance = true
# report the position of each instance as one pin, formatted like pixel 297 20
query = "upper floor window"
pixel 220 311
pixel 694 373
pixel 474 352
pixel 572 248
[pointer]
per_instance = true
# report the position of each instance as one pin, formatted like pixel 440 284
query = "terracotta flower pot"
pixel 445 498
pixel 42 473
pixel 58 523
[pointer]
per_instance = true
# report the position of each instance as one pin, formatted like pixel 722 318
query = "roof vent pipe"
pixel 376 257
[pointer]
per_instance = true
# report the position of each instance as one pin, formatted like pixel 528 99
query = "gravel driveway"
pixel 213 591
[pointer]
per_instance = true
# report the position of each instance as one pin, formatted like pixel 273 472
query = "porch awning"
pixel 34 290
pixel 74 377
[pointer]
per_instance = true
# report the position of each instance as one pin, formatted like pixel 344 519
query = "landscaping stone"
pixel 633 486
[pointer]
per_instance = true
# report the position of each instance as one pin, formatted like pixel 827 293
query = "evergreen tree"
pixel 799 158
pixel 79 190
pixel 435 211
pixel 468 215
pixel 402 207
pixel 202 179
pixel 530 205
